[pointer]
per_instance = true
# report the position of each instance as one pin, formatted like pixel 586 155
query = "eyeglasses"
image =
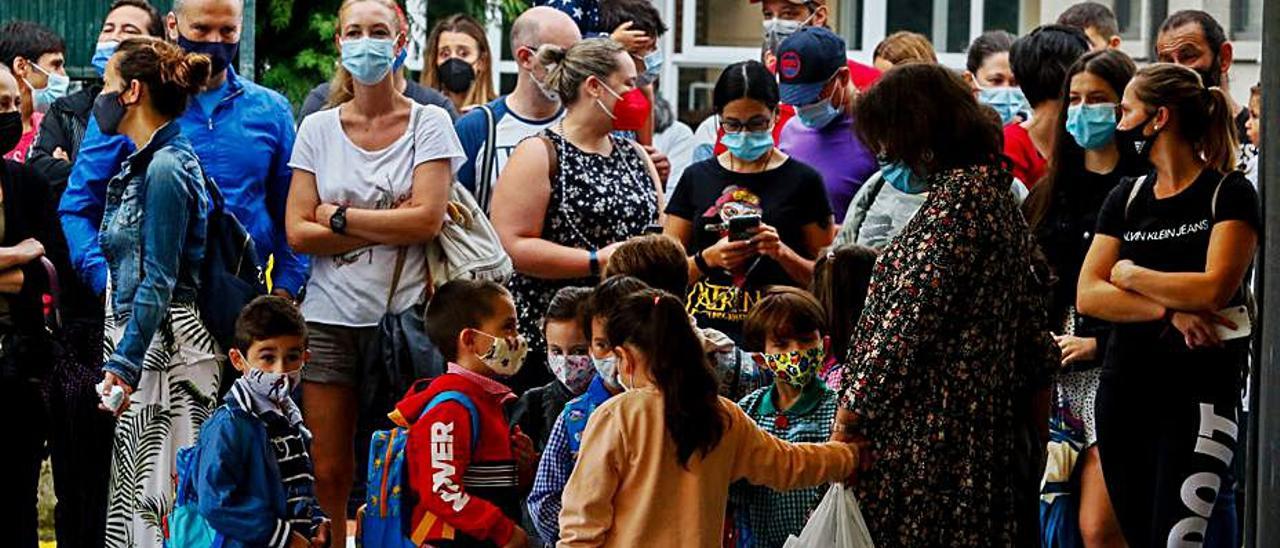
pixel 758 123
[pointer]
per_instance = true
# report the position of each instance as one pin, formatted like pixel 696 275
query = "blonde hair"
pixel 906 47
pixel 1204 115
pixel 341 88
pixel 567 69
pixel 481 91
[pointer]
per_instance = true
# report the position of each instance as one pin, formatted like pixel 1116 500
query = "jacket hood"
pixel 410 408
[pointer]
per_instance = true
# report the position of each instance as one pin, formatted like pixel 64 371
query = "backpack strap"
pixel 488 158
pixel 1133 194
pixel 460 399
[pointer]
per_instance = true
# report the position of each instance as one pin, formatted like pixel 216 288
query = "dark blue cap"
pixel 806 60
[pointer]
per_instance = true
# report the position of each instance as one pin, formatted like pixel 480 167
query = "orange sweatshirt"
pixel 628 489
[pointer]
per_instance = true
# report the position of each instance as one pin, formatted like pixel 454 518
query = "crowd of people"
pixel 1004 304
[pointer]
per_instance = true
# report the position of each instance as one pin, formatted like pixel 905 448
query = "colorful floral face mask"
pixel 797 367
pixel 575 372
pixel 505 356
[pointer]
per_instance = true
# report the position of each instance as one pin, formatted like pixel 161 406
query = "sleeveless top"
pixel 595 201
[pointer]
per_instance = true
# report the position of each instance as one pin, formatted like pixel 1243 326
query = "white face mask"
pixel 607 368
pixel 776 30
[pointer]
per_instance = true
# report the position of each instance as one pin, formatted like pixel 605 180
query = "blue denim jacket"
pixel 152 236
pixel 244 146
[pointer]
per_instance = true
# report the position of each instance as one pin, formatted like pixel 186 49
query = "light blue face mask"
pixel 901 177
pixel 748 146
pixel 817 115
pixel 1092 126
pixel 1008 101
pixel 55 88
pixel 652 67
pixel 368 60
pixel 101 54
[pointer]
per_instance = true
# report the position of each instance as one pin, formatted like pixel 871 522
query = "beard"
pixel 1211 76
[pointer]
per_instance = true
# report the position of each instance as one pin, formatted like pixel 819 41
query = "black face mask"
pixel 456 75
pixel 1141 143
pixel 10 131
pixel 108 111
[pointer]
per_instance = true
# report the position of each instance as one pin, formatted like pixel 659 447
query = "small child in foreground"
pixel 253 479
pixel 568 359
pixel 787 327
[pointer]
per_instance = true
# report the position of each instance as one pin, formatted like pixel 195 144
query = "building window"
pixel 1246 19
pixel 945 22
pixel 1002 15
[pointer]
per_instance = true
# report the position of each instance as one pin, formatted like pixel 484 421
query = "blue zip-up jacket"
pixel 153 237
pixel 244 146
pixel 237 480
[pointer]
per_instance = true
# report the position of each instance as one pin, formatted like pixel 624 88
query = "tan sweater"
pixel 628 489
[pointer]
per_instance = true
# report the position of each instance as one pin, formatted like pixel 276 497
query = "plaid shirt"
pixel 558 459
pixel 763 517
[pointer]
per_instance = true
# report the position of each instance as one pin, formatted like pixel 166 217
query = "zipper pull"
pixel 210 123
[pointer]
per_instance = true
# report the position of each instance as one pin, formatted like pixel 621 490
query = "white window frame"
pixel 874 28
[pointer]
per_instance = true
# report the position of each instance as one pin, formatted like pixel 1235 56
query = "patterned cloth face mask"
pixel 505 356
pixel 575 372
pixel 796 368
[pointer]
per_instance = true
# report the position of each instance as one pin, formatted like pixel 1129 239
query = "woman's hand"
pixel 109 380
pixel 1122 274
pixel 768 243
pixel 324 212
pixel 1198 329
pixel 29 250
pixel 728 255
pixel 321 538
pixel 1076 349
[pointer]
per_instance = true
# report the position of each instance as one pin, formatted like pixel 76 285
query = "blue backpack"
pixel 386 522
pixel 186 528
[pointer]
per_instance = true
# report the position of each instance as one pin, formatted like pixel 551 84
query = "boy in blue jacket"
pixel 252 474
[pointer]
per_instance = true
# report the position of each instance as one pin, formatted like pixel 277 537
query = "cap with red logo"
pixel 806 60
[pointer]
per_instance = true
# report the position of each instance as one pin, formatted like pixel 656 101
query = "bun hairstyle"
pixel 170 74
pixel 567 69
pixel 655 324
pixel 1204 114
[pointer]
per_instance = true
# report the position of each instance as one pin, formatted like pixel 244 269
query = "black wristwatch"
pixel 593 263
pixel 338 222
pixel 701 263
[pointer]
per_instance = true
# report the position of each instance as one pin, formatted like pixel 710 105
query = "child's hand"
pixel 519 538
pixel 296 540
pixel 631 40
pixel 321 540
pixel 526 457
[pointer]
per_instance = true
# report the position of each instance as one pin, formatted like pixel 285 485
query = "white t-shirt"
pixel 351 289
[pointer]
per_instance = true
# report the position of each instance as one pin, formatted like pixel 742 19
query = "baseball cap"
pixel 806 61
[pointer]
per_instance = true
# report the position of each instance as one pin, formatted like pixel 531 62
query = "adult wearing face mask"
pixel 1194 39
pixel 242 132
pixel 459 62
pixel 370 183
pixel 1040 61
pixel 27 236
pixel 63 127
pixel 35 56
pixel 490 133
pixel 813 76
pixel 782 201
pixel 569 197
pixel 987 70
pixel 80 434
pixel 160 355
pixel 326 96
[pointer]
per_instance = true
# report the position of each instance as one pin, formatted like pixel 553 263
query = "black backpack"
pixel 231 275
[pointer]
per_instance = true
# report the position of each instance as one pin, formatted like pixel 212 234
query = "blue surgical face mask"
pixel 101 54
pixel 652 67
pixel 1092 126
pixel 369 60
pixel 817 115
pixel 55 88
pixel 748 146
pixel 901 177
pixel 1008 101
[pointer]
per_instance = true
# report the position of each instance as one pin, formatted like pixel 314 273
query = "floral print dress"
pixel 942 366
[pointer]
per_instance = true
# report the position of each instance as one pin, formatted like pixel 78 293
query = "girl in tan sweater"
pixel 657 460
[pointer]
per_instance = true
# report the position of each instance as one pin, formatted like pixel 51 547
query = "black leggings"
pixel 1167 438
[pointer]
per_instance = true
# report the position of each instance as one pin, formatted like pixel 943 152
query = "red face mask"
pixel 630 112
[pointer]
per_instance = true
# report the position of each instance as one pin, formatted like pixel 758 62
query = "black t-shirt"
pixel 788 198
pixel 1171 235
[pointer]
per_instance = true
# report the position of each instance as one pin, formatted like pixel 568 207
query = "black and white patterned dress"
pixel 595 201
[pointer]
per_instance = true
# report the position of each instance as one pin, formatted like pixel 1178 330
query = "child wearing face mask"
pixel 787 327
pixel 564 440
pixel 467 467
pixel 251 478
pixel 568 359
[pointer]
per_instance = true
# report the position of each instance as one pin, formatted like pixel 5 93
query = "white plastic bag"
pixel 836 523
